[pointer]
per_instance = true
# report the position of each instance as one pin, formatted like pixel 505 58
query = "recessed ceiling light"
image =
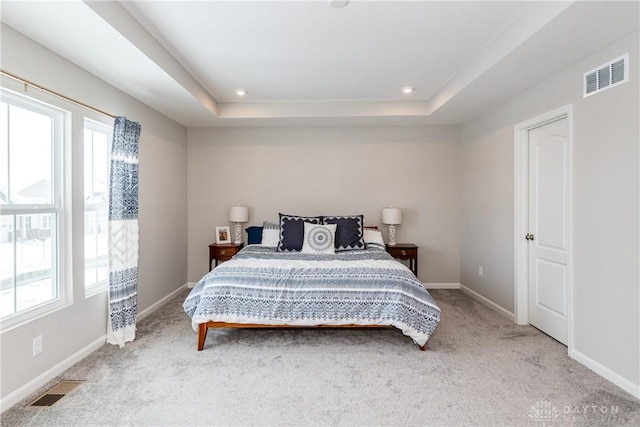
pixel 407 89
pixel 241 92
pixel 338 3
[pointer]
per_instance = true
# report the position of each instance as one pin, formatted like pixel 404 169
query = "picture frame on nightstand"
pixel 223 234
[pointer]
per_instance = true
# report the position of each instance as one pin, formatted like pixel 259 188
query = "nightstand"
pixel 405 251
pixel 223 252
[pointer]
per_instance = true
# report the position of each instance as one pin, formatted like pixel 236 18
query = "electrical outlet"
pixel 38 346
pixel 480 271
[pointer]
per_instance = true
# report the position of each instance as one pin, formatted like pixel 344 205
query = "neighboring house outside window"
pixel 97 145
pixel 31 208
pixel 46 222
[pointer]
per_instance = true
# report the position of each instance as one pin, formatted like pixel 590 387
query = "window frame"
pixel 58 209
pixel 95 126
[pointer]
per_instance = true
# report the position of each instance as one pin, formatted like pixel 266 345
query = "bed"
pixel 265 286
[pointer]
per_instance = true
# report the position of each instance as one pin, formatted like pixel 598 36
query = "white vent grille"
pixel 606 76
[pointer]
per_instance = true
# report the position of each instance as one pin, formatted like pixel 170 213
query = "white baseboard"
pixel 153 307
pixel 486 301
pixel 191 284
pixel 603 371
pixel 41 380
pixel 441 285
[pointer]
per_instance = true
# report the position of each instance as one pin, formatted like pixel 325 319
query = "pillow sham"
pixel 292 231
pixel 254 235
pixel 349 231
pixel 270 234
pixel 270 226
pixel 373 238
pixel 319 239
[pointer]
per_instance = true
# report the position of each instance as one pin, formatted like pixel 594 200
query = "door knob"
pixel 529 236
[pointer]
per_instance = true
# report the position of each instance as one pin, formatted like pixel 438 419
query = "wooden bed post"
pixel 202 335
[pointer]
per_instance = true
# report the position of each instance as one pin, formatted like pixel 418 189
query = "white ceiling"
pixel 307 63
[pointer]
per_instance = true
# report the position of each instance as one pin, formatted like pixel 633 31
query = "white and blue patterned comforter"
pixel 364 287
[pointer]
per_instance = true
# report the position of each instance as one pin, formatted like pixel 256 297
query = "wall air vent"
pixel 606 76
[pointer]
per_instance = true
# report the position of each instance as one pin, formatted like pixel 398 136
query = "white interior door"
pixel 548 232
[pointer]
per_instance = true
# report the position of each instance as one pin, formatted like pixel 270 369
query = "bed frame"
pixel 203 328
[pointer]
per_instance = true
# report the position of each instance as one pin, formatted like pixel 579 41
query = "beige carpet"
pixel 480 369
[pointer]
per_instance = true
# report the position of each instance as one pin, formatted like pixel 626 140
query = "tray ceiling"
pixel 307 63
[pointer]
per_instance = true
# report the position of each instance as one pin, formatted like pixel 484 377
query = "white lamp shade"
pixel 391 216
pixel 238 214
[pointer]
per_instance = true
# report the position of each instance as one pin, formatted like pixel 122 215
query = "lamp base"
pixel 392 235
pixel 238 234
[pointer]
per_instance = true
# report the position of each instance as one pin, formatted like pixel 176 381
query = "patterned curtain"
pixel 123 233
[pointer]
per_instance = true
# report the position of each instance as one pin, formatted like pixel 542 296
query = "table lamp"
pixel 392 217
pixel 238 214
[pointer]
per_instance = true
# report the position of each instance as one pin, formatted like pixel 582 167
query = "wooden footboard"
pixel 204 327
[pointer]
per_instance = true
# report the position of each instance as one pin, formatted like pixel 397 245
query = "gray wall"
pixel 605 207
pixel 330 171
pixel 162 214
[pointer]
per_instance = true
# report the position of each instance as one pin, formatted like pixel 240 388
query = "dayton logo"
pixel 543 411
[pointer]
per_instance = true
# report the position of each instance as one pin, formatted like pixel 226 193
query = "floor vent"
pixel 56 393
pixel 606 76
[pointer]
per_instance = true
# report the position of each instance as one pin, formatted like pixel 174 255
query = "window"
pixel 97 145
pixel 31 142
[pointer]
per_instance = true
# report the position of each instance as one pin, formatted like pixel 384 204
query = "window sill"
pixel 17 320
pixel 95 289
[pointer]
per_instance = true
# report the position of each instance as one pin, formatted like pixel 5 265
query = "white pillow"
pixel 373 237
pixel 270 237
pixel 319 239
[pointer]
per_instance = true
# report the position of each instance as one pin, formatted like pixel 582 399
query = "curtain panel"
pixel 123 232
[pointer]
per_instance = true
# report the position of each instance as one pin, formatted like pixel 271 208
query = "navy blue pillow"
pixel 292 231
pixel 254 235
pixel 349 231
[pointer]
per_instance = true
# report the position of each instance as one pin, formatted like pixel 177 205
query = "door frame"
pixel 521 221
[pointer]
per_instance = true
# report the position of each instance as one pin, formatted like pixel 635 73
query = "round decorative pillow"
pixel 319 239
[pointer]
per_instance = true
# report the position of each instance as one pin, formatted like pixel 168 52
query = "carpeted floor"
pixel 480 369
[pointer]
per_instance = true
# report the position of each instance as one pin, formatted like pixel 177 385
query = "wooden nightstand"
pixel 405 251
pixel 223 252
